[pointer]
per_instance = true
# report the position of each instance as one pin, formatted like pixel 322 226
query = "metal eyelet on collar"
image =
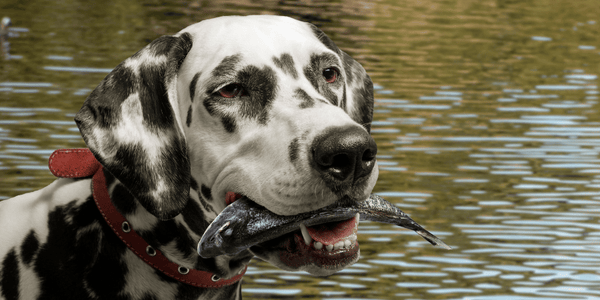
pixel 150 250
pixel 183 270
pixel 215 278
pixel 125 227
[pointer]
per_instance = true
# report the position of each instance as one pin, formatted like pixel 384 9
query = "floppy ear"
pixel 359 92
pixel 131 125
pixel 359 87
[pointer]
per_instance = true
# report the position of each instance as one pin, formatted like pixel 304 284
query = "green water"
pixel 486 120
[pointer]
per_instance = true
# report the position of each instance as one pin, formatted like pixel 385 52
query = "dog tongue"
pixel 331 233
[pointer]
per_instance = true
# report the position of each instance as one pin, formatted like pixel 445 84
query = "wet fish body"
pixel 244 223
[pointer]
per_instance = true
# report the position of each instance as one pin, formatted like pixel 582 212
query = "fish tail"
pixel 432 239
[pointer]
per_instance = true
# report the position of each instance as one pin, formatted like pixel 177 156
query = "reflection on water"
pixel 486 117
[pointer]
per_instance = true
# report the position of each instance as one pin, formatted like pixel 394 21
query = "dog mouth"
pixel 327 247
pixel 317 241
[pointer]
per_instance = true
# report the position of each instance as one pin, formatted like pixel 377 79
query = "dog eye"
pixel 330 75
pixel 232 90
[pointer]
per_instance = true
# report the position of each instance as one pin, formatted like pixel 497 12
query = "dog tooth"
pixel 318 245
pixel 329 248
pixel 307 239
pixel 347 244
pixel 338 245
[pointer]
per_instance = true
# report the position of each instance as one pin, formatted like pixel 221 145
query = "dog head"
pixel 263 106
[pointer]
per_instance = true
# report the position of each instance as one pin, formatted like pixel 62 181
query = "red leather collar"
pixel 80 163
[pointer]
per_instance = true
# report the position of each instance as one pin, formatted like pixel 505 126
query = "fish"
pixel 244 223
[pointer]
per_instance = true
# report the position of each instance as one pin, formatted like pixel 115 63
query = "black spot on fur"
pixel 293 150
pixel 363 101
pixel 206 192
pixel 193 86
pixel 168 231
pixel 350 66
pixel 307 100
pixel 153 78
pixel 229 292
pixel 343 104
pixel 180 47
pixel 194 184
pixel 159 47
pixel 211 104
pixel 261 85
pixel 194 217
pixel 130 165
pixel 134 155
pixel 156 109
pixel 110 178
pixel 123 200
pixel 29 247
pixel 314 74
pixel 102 107
pixel 188 119
pixel 286 63
pixel 72 262
pixel 10 276
pixel 149 296
pixel 214 105
pixel 324 38
pixel 107 277
pixel 228 124
pixel 163 233
pixel 227 66
pixel 205 197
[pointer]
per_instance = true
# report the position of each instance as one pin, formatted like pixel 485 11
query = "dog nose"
pixel 344 154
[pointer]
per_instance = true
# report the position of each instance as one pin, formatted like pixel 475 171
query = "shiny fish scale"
pixel 244 223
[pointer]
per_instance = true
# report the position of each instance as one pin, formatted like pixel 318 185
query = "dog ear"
pixel 132 125
pixel 359 87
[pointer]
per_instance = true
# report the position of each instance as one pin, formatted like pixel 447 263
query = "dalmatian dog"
pixel 262 106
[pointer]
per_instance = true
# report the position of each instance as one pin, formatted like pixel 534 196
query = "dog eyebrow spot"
pixel 314 74
pixel 226 66
pixel 261 85
pixel 307 101
pixel 188 120
pixel 286 63
pixel 319 34
pixel 193 85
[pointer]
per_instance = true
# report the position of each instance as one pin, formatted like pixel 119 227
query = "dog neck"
pixel 176 238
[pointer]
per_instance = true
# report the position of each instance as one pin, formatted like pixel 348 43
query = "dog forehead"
pixel 256 39
pixel 236 29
